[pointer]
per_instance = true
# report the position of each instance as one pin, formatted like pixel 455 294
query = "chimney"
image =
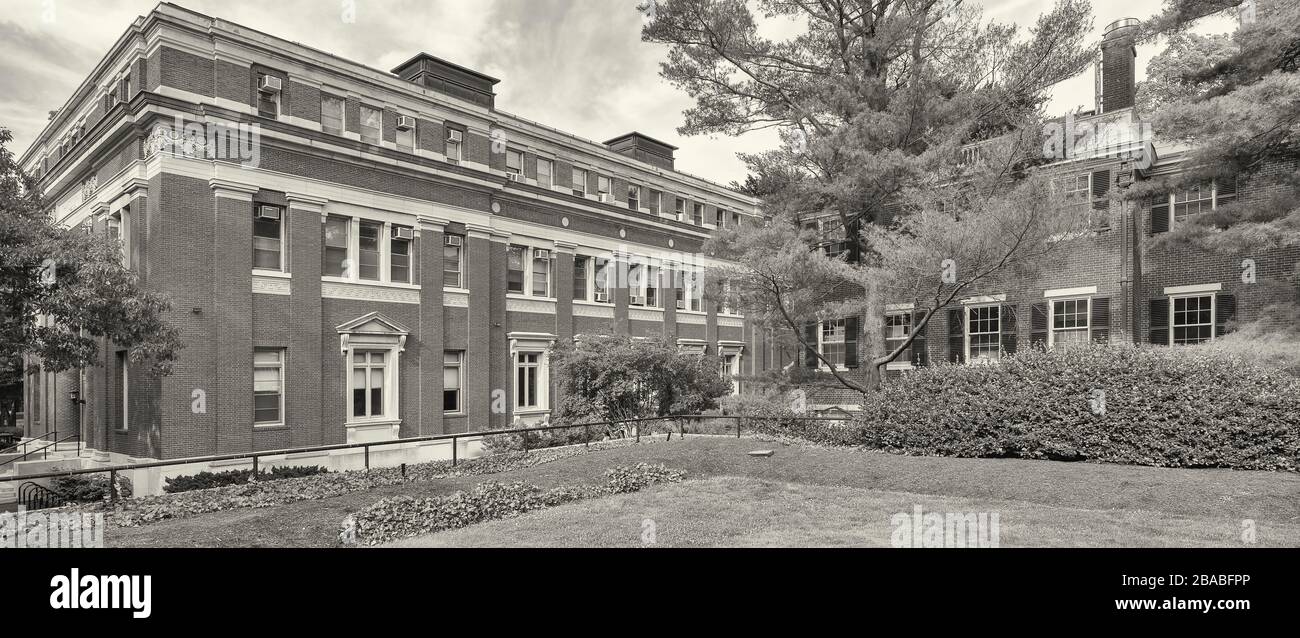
pixel 451 79
pixel 1116 73
pixel 644 148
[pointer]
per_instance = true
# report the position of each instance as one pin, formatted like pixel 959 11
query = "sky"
pixel 576 65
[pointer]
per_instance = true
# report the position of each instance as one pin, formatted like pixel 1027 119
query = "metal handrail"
pixel 33 439
pixel 454 438
pixel 42 449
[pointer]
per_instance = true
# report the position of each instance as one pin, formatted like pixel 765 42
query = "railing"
pixel 35 496
pixel 14 448
pixel 453 438
pixel 44 449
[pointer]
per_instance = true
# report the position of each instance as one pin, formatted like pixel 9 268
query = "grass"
pixel 807 495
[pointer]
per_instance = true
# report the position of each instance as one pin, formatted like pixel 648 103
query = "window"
pixel 268 103
pixel 652 286
pixel 125 90
pixel 1193 201
pixel 735 219
pixel 527 386
pixel 600 281
pixel 697 214
pixel 367 382
pixel 268 386
pixel 331 114
pixel 524 264
pixel 655 202
pixel 832 346
pixel 124 395
pixel 515 269
pixel 515 163
pixel 453 379
pixel 692 282
pixel 720 218
pixel 368 249
pixel 405 138
pixel 1069 323
pixel 399 258
pixel 1074 192
pixel 580 277
pixel 541 273
pixel 1193 319
pixel 679 209
pixel 268 224
pixel 455 140
pixel 984 332
pixel 372 123
pixel 545 169
pixel 897 329
pixel 453 261
pixel 335 242
pixel 579 182
pixel 603 188
pixel 633 197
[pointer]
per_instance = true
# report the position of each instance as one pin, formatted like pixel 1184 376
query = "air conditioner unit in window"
pixel 403 232
pixel 268 212
pixel 405 123
pixel 269 84
pixel 681 305
pixel 515 177
pixel 637 300
pixel 541 253
pixel 453 135
pixel 452 240
pixel 604 197
pixel 602 297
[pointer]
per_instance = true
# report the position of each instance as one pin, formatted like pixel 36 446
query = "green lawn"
pixel 809 496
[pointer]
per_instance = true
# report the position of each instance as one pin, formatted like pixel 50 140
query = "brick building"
pixel 393 259
pixel 1115 283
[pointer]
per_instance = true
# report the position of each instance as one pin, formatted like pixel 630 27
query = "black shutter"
pixel 1100 183
pixel 1007 320
pixel 1100 319
pixel 1225 310
pixel 1160 216
pixel 956 336
pixel 851 342
pixel 920 357
pixel 1038 325
pixel 810 360
pixel 1159 321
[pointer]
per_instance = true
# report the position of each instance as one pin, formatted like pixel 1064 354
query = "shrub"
pixel 406 516
pixel 524 441
pixel 772 415
pixel 1185 407
pixel 82 488
pixel 205 480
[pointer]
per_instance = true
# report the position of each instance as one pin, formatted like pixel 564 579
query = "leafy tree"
pixel 63 290
pixel 874 101
pixel 615 377
pixel 1235 99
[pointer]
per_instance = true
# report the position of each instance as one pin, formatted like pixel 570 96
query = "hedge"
pixel 1168 407
pixel 206 480
pixel 405 516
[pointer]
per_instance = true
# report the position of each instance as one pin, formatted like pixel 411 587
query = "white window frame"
pixel 588 264
pixel 593 277
pixel 550 172
pixel 822 342
pixel 352 263
pixel 528 265
pixel 389 406
pixel 693 285
pixel 279 104
pixel 522 343
pixel 284 244
pixel 280 368
pixel 540 401
pixel 697 207
pixel 343 114
pixel 361 125
pixel 966 328
pixel 1214 314
pixel 634 197
pixel 604 188
pixel 399 134
pixel 1051 319
pixel 460 265
pixel 679 208
pixel 411 263
pixel 639 286
pixel 573 182
pixel 454 139
pixel 904 360
pixel 123 219
pixel 125 381
pixel 519 170
pixel 459 365
pixel 655 201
